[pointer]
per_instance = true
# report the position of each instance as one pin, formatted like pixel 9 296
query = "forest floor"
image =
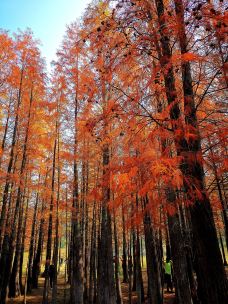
pixel 64 290
pixel 63 293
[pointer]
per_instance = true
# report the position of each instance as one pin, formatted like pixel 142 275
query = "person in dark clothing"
pixel 130 265
pixel 51 273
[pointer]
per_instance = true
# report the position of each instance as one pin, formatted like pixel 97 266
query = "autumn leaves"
pixel 121 135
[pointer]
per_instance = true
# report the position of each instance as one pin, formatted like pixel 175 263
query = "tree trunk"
pixel 22 287
pixel 77 275
pixel 134 259
pixel 93 253
pixel 212 284
pixel 50 224
pixel 124 257
pixel 31 246
pixel 154 284
pixel 178 255
pixel 56 244
pixel 106 286
pixel 117 279
pixel 37 257
pixel 139 279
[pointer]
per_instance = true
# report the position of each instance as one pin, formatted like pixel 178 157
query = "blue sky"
pixel 46 18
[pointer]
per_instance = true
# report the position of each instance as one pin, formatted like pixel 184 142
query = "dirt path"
pixel 63 294
pixel 36 296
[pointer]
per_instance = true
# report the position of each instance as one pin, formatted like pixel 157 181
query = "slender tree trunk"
pixel 77 282
pixel 134 259
pixel 141 251
pixel 130 272
pixel 124 257
pixel 37 256
pixel 154 284
pixel 86 255
pixel 56 244
pixel 66 249
pixel 138 269
pixel 85 228
pixel 31 246
pixel 50 224
pixel 139 279
pixel 117 279
pixel 93 253
pixel 22 287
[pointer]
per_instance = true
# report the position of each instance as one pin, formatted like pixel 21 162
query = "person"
pixel 51 273
pixel 168 275
pixel 130 265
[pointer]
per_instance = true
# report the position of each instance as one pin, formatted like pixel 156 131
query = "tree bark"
pixel 56 243
pixel 50 227
pixel 106 286
pixel 77 274
pixel 212 284
pixel 22 287
pixel 37 256
pixel 31 246
pixel 154 284
pixel 117 279
pixel 124 257
pixel 93 254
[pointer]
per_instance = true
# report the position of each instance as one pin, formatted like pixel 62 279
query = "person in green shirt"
pixel 168 275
